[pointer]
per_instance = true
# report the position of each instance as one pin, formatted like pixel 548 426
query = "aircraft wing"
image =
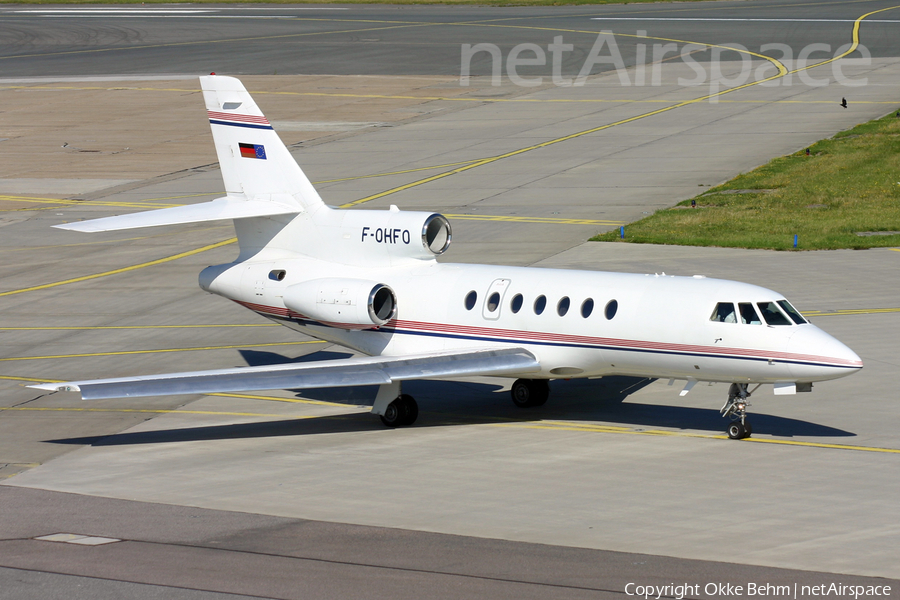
pixel 369 370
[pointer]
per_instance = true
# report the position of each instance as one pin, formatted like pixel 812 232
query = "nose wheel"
pixel 735 408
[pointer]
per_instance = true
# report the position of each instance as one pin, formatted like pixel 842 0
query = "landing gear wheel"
pixel 411 410
pixel 736 408
pixel 737 431
pixel 530 392
pixel 402 412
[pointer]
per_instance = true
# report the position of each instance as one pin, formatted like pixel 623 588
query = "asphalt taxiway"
pixel 285 495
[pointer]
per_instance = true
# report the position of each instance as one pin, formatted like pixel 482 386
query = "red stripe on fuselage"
pixel 516 335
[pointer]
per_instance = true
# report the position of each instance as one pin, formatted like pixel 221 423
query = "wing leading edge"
pixel 376 370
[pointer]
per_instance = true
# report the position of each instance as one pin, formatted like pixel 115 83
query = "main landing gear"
pixel 530 392
pixel 736 408
pixel 401 412
pixel 394 408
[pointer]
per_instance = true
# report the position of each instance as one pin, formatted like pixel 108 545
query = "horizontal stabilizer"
pixel 220 209
pixel 375 370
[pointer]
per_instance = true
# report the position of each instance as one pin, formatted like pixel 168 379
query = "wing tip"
pixel 55 387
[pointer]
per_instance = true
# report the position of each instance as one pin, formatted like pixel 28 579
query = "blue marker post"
pixel 622 232
pixel 795 240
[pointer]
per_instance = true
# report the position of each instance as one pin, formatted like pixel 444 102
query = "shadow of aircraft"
pixel 257 358
pixel 447 403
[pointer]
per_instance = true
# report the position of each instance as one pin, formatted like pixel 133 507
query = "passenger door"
pixel 493 300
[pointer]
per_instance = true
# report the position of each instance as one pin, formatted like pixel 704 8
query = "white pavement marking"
pixel 74 538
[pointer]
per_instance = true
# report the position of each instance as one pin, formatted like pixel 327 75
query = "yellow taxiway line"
pixel 467 165
pixel 98 327
pixel 61 202
pixel 568 426
pixel 782 71
pixel 159 351
pixel 442 98
pixel 850 311
pixel 540 425
pixel 547 220
pixel 220 394
pixel 151 263
pixel 155 411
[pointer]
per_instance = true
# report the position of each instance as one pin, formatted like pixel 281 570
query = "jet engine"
pixel 345 303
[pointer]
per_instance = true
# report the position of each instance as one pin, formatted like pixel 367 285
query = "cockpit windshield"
pixel 772 315
pixel 748 315
pixel 792 312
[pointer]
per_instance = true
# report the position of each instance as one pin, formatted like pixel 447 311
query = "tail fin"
pixel 261 177
pixel 255 162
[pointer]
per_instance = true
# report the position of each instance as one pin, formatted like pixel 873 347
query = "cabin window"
pixel 792 312
pixel 540 304
pixel 471 299
pixel 562 306
pixel 277 275
pixel 516 304
pixel 724 313
pixel 493 302
pixel 771 314
pixel 748 314
pixel 611 307
pixel 587 307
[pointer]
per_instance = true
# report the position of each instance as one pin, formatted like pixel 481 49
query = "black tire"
pixel 393 414
pixel 410 409
pixel 748 430
pixel 522 393
pixel 529 392
pixel 402 412
pixel 737 431
pixel 542 391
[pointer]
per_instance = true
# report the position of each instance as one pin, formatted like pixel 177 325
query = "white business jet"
pixel 368 280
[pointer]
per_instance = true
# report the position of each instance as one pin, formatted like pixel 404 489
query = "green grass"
pixel 850 183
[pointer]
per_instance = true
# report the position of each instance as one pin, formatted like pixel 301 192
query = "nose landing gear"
pixel 736 408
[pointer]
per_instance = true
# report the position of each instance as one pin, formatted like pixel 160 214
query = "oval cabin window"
pixel 493 302
pixel 516 304
pixel 471 299
pixel 587 307
pixel 611 307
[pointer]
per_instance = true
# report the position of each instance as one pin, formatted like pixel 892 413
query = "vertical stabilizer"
pixel 255 163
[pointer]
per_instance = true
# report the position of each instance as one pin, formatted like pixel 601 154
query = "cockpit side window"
pixel 724 313
pixel 771 314
pixel 792 312
pixel 748 314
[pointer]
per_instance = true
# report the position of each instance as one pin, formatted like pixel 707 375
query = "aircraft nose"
pixel 818 356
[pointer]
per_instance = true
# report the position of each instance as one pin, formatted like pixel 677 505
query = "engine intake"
pixel 345 303
pixel 436 234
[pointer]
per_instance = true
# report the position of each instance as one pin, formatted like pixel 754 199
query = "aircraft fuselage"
pixel 577 323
